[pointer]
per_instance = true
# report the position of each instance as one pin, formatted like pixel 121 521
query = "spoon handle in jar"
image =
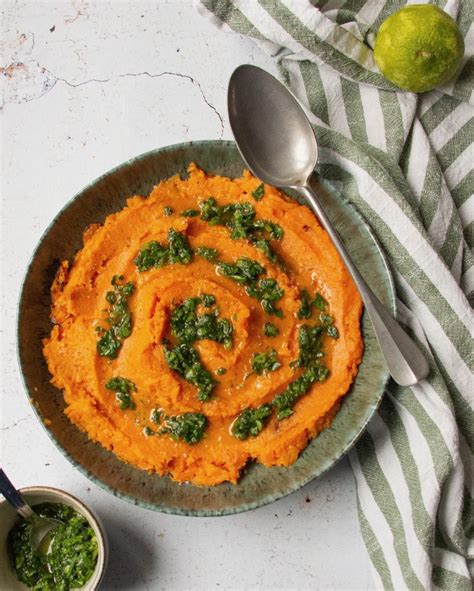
pixel 14 497
pixel 405 361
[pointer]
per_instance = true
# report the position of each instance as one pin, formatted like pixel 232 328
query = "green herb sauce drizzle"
pixel 265 362
pixel 305 310
pixel 248 273
pixel 185 360
pixel 123 389
pixel 285 401
pixel 119 319
pixel 190 213
pixel 188 427
pixel 188 326
pixel 270 330
pixel 259 192
pixel 251 421
pixel 210 254
pixel 241 220
pixel 154 254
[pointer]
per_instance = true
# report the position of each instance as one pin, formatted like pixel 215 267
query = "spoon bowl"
pixel 280 150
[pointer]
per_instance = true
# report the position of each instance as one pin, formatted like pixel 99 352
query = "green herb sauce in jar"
pixel 72 556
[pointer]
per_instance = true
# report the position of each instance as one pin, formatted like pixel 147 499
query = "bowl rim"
pixel 269 498
pixel 88 513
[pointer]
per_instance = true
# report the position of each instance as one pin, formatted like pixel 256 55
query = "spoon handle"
pixel 405 361
pixel 14 497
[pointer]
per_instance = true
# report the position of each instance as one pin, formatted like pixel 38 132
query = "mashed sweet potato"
pixel 303 258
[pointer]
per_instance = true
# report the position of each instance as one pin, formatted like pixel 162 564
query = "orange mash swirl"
pixel 78 303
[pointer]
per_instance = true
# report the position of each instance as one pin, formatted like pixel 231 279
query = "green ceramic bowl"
pixel 258 485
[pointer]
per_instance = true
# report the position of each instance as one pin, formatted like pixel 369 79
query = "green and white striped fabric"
pixel 406 163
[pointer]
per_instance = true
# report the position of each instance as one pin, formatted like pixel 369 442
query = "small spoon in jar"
pixel 40 526
pixel 277 142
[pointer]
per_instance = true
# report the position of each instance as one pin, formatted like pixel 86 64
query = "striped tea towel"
pixel 406 163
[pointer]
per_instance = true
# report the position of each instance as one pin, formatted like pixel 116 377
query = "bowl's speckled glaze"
pixel 258 485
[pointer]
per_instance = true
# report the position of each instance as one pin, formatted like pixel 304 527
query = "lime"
pixel 418 47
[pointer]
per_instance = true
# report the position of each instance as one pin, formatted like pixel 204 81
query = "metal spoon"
pixel 41 526
pixel 276 140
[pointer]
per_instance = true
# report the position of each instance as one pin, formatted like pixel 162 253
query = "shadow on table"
pixel 131 557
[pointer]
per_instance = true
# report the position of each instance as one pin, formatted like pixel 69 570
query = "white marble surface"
pixel 86 85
